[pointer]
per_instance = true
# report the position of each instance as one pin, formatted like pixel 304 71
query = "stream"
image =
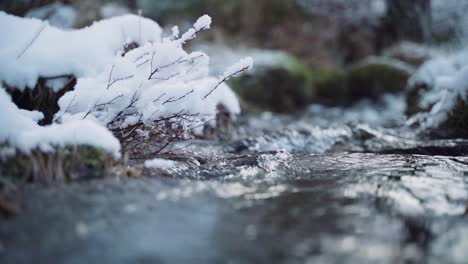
pixel 329 185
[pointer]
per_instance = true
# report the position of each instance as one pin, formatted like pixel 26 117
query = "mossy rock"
pixel 289 85
pixel 284 86
pixel 69 163
pixel 367 80
pixel 276 90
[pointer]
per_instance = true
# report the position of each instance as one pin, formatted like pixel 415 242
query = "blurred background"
pixel 332 52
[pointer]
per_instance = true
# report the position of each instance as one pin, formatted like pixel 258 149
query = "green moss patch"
pixel 368 80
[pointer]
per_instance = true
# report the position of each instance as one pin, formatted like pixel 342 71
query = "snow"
pixel 234 70
pixel 152 82
pixel 160 164
pixel 115 89
pixel 203 22
pixel 446 80
pixel 31 48
pixel 20 130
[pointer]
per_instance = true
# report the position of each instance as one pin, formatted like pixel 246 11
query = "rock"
pixel 448 120
pixel 455 124
pixel 280 85
pixel 369 79
pixel 275 89
pixel 288 85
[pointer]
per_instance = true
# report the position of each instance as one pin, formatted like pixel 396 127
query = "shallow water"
pixel 328 186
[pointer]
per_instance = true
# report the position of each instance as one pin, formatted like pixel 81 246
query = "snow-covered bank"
pixel 127 73
pixel 19 130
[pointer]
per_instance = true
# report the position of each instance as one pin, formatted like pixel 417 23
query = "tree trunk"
pixel 406 20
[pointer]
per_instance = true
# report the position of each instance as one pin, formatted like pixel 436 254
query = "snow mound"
pixel 152 83
pixel 31 48
pixel 160 164
pixel 20 131
pixel 156 82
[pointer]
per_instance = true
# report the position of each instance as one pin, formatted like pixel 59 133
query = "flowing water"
pixel 328 186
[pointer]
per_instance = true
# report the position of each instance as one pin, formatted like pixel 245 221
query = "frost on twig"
pixel 155 93
pixel 232 71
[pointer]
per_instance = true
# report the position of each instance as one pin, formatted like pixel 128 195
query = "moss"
pixel 70 163
pixel 362 81
pixel 276 89
pixel 289 85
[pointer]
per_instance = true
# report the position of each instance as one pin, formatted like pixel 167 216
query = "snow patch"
pixel 31 48
pixel 157 163
pixel 20 130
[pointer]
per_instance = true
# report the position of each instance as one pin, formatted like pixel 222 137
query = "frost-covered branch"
pixel 154 89
pixel 202 23
pixel 232 71
pixel 113 81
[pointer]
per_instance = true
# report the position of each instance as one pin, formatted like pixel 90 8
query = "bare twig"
pixel 159 97
pixel 143 63
pixel 96 105
pixel 225 79
pixel 153 72
pixel 110 101
pixel 167 78
pixel 111 81
pixel 69 105
pixel 172 100
pixel 32 40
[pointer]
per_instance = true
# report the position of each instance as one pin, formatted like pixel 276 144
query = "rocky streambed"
pixel 330 185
